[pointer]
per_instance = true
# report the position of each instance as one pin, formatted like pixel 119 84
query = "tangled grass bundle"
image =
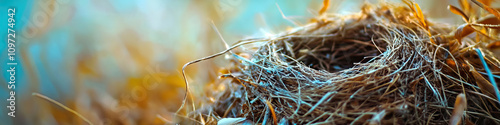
pixel 384 65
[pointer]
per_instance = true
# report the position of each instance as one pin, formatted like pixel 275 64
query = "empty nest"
pixel 384 65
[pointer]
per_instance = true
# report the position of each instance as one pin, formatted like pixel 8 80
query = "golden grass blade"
pixel 481 31
pixel 62 106
pixel 409 4
pixel 459 12
pixel 465 5
pixel 489 19
pixel 486 2
pixel 462 31
pixel 458 110
pixel 487 8
pixel 275 120
pixel 326 5
pixel 421 17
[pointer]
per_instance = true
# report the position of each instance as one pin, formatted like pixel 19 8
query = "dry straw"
pixel 387 64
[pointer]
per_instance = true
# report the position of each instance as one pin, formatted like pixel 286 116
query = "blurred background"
pixel 119 61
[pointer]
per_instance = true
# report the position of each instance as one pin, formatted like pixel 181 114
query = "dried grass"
pixel 384 65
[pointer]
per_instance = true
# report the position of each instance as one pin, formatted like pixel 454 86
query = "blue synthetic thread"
pixel 490 75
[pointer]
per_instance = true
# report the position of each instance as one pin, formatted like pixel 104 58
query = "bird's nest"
pixel 384 65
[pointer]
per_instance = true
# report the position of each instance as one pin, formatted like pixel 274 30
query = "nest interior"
pixel 339 52
pixel 380 66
